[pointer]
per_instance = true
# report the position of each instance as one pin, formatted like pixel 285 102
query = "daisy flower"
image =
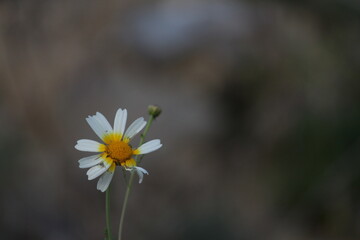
pixel 115 149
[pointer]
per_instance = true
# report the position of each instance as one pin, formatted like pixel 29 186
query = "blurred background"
pixel 260 122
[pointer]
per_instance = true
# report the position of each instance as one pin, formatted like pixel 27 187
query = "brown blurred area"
pixel 260 122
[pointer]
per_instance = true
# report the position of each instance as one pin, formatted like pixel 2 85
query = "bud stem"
pixel 128 188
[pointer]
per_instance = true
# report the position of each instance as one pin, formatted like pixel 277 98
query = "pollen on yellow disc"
pixel 136 152
pixel 102 148
pixel 130 163
pixel 112 168
pixel 119 151
pixel 108 138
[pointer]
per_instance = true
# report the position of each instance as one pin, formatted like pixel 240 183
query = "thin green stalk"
pixel 142 139
pixel 125 204
pixel 147 127
pixel 128 189
pixel 107 210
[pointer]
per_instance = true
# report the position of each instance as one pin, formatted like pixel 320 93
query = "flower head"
pixel 115 149
pixel 154 110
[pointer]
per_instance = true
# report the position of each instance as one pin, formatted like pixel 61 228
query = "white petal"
pixel 140 171
pixel 99 124
pixel 88 145
pixel 104 122
pixel 150 146
pixel 135 128
pixel 97 170
pixel 95 125
pixel 89 161
pixel 120 121
pixel 104 181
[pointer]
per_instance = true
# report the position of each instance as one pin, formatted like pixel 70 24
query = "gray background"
pixel 260 122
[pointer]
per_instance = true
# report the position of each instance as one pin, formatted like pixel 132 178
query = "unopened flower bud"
pixel 154 110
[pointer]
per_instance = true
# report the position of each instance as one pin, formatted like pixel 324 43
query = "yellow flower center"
pixel 119 151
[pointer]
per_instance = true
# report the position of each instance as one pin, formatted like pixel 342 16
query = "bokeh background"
pixel 260 123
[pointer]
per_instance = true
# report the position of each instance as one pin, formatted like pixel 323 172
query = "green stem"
pixel 107 210
pixel 128 188
pixel 147 127
pixel 125 204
